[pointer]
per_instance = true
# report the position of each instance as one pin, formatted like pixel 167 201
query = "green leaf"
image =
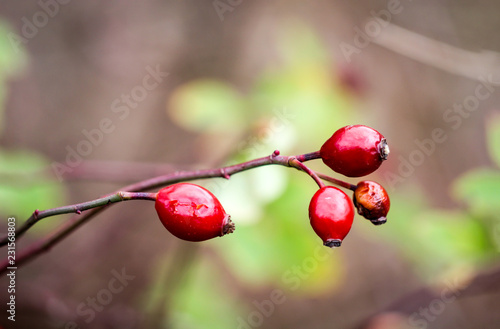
pixel 479 189
pixel 493 137
pixel 207 106
pixel 436 240
pixel 449 239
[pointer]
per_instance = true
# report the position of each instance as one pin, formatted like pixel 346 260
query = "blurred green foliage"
pixel 291 107
pixel 197 106
pixel 25 183
pixel 269 245
pixel 205 302
pixel 10 64
pixel 300 95
pixel 444 242
pixel 273 250
pixel 478 189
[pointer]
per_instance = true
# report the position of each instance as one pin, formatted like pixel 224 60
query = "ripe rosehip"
pixel 331 214
pixel 192 213
pixel 372 201
pixel 355 151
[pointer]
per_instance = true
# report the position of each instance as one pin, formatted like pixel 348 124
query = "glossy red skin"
pixel 372 201
pixel 331 214
pixel 353 151
pixel 190 212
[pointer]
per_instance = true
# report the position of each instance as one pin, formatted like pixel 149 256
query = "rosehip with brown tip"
pixel 331 214
pixel 355 151
pixel 191 212
pixel 372 201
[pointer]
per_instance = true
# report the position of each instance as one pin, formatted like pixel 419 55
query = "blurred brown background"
pixel 91 53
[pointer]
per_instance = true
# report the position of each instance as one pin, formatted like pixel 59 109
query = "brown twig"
pixel 95 207
pixel 78 208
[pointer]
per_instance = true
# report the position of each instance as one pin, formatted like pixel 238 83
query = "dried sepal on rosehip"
pixel 372 202
pixel 191 212
pixel 331 214
pixel 355 151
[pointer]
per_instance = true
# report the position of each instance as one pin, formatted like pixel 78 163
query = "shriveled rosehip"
pixel 355 151
pixel 192 213
pixel 372 201
pixel 331 214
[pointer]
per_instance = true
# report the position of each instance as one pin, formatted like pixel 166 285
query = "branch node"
pixel 292 162
pixel 224 174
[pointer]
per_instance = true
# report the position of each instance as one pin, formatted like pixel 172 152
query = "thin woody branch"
pixel 94 207
pixel 78 208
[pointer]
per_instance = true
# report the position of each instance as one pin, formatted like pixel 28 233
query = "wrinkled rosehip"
pixel 372 201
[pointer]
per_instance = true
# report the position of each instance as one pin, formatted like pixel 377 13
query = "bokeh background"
pixel 236 80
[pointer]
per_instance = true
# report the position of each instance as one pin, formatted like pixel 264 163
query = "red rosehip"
pixel 355 151
pixel 331 214
pixel 192 213
pixel 372 201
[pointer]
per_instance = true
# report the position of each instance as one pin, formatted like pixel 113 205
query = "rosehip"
pixel 372 201
pixel 355 151
pixel 331 214
pixel 192 213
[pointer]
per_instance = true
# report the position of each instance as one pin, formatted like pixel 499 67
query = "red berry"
pixel 192 213
pixel 355 151
pixel 372 201
pixel 331 214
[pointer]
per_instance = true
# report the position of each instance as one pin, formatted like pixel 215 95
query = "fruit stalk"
pixel 299 165
pixel 338 182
